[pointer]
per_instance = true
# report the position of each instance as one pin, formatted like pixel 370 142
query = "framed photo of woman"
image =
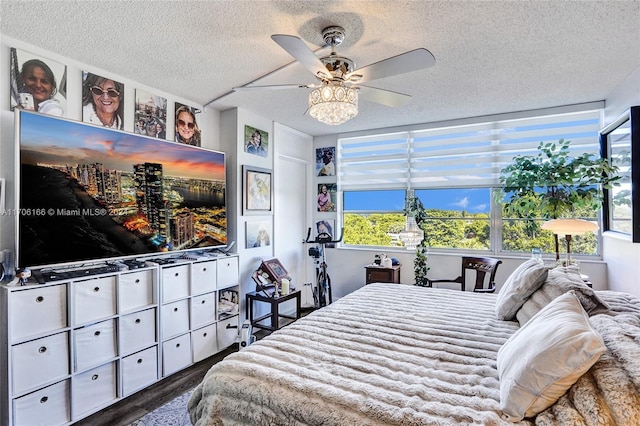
pixel 38 84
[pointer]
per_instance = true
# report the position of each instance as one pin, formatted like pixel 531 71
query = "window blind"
pixel 458 155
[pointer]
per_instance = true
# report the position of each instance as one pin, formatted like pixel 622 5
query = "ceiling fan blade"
pixel 412 60
pixel 384 97
pixel 276 87
pixel 301 52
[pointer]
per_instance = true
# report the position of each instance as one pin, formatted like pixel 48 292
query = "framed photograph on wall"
pixel 325 165
pixel 257 188
pixel 256 141
pixel 102 101
pixel 327 197
pixel 258 233
pixel 38 84
pixel 187 129
pixel 151 115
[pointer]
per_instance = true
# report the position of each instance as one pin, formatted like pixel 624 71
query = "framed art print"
pixel 257 188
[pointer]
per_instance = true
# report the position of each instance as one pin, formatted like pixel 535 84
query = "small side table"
pixel 380 274
pixel 274 315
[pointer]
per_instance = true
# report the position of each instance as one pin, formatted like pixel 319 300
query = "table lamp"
pixel 569 227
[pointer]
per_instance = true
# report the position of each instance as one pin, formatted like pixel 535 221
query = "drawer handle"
pixel 138 280
pixel 138 320
pixel 177 345
pixel 40 299
pixel 204 334
pixel 203 302
pixel 96 289
pixel 177 274
pixel 204 269
pixel 175 309
pixel 231 326
pixel 94 377
pixel 44 399
pixel 97 333
pixel 139 361
pixel 42 349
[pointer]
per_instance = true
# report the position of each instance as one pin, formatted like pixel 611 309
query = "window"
pixel 453 168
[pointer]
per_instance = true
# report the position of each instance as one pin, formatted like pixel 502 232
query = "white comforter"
pixel 386 354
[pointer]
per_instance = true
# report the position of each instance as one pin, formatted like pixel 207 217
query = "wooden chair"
pixel 482 266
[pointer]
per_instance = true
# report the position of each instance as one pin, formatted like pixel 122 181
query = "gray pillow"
pixel 561 280
pixel 545 357
pixel 525 280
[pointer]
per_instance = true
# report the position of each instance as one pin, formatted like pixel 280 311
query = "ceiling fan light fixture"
pixel 333 104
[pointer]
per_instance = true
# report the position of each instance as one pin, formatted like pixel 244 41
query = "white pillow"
pixel 521 284
pixel 541 361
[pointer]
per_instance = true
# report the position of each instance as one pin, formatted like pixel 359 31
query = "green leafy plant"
pixel 553 184
pixel 421 267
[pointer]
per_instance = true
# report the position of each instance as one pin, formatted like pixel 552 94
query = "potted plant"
pixel 552 184
pixel 415 208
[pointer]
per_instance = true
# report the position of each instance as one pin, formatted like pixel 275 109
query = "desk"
pixel 380 274
pixel 273 316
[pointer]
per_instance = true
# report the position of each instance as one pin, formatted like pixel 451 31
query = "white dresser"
pixel 73 347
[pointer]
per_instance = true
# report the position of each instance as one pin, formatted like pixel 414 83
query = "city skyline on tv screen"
pixel 89 193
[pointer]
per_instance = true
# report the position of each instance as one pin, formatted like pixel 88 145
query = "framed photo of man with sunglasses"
pixel 102 101
pixel 187 130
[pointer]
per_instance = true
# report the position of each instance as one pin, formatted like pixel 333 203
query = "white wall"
pixel 622 255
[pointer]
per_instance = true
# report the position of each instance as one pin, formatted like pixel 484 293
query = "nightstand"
pixel 380 274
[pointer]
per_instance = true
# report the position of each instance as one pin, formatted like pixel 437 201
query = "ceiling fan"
pixel 334 99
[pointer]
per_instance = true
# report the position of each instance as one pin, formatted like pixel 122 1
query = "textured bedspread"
pixel 392 354
pixel 386 354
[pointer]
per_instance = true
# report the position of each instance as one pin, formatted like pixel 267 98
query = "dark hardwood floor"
pixel 139 404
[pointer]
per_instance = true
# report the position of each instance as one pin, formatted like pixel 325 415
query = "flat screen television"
pixel 88 193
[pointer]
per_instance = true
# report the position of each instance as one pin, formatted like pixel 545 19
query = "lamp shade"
pixel 570 226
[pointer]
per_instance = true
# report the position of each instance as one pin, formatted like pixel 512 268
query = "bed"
pixel 390 354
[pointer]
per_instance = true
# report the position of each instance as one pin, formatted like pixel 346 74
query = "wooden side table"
pixel 274 315
pixel 380 274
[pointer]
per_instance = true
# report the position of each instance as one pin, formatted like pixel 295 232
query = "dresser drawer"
pixel 176 354
pixel 175 283
pixel 227 272
pixel 204 342
pixel 40 361
pixel 93 389
pixel 203 277
pixel 175 318
pixel 137 331
pixel 203 309
pixel 95 344
pixel 94 299
pixel 37 310
pixel 48 406
pixel 136 290
pixel 227 332
pixel 139 370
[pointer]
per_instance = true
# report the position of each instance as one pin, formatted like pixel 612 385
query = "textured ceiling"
pixel 491 56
